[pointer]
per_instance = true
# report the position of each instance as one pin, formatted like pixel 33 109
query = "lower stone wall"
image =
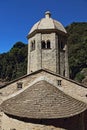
pixel 0 120
pixel 10 123
pixel 85 121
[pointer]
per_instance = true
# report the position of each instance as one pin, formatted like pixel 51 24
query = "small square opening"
pixel 59 82
pixel 19 85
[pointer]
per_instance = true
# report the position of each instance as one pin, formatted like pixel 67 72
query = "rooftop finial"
pixel 47 14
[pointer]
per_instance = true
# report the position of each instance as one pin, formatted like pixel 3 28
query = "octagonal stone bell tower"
pixel 47 46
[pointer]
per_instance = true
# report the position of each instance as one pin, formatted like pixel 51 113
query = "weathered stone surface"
pixel 48 23
pixel 70 87
pixel 42 100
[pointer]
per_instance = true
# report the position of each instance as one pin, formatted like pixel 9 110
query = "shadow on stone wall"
pixel 72 123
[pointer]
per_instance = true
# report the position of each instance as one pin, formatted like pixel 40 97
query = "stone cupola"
pixel 47 46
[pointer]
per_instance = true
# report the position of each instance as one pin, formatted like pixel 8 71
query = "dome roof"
pixel 47 23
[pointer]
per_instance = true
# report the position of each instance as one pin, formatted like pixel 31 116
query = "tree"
pixel 77 44
pixel 14 63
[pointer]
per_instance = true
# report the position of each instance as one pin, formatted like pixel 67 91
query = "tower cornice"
pixel 44 31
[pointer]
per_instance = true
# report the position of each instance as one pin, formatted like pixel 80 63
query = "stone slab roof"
pixel 42 100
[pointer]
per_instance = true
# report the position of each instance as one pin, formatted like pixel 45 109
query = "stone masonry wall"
pixel 49 55
pixel 69 87
pixel 32 56
pixel 74 123
pixel 42 58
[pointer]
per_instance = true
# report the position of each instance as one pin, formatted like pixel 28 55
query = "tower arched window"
pixel 32 45
pixel 62 45
pixel 48 44
pixel 43 45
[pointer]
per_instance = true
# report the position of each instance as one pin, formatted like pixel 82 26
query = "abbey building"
pixel 45 98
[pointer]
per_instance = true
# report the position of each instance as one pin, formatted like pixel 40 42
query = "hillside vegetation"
pixel 77 47
pixel 13 64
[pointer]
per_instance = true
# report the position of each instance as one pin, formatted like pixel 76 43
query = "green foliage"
pixel 13 64
pixel 79 77
pixel 77 46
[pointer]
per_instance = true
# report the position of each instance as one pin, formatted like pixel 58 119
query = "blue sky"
pixel 18 16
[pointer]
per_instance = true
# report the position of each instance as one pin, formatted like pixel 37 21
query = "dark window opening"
pixel 61 45
pixel 48 44
pixel 19 85
pixel 0 93
pixel 59 82
pixel 64 73
pixel 33 45
pixel 43 45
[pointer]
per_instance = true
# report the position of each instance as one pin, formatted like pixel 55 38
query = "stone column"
pixel 28 64
pixel 57 56
pixel 39 51
pixel 66 62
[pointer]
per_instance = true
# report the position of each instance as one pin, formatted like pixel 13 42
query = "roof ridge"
pixel 46 70
pixel 39 23
pixel 54 24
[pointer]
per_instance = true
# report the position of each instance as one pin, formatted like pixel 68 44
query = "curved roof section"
pixel 43 101
pixel 47 23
